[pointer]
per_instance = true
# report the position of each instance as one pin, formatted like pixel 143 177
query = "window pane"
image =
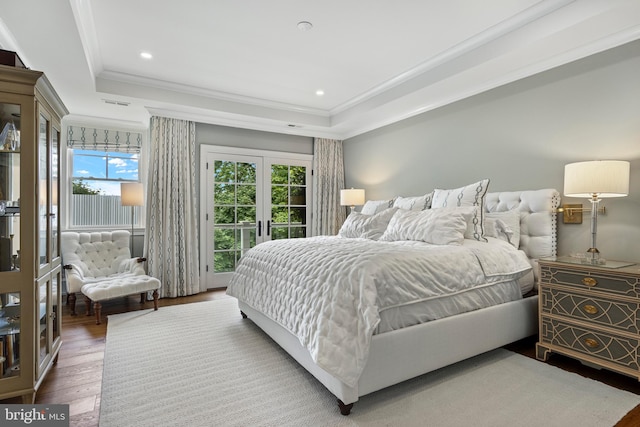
pixel 246 237
pixel 280 215
pixel 279 195
pixel 123 167
pixel 298 215
pixel 89 166
pixel 298 232
pixel 224 171
pixel 247 195
pixel 96 179
pixel 298 196
pixel 224 238
pixel 224 194
pixel 224 262
pixel 247 173
pixel 279 174
pixel 247 214
pixel 279 233
pixel 224 215
pixel 298 175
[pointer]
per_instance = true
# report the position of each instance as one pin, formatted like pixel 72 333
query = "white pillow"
pixel 469 195
pixel 436 226
pixel 365 226
pixel 372 207
pixel 416 203
pixel 504 225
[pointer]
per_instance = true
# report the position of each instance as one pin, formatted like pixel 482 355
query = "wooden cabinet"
pixel 591 313
pixel 30 262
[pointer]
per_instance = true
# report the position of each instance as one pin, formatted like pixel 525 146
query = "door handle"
pixel 268 227
pixel 259 228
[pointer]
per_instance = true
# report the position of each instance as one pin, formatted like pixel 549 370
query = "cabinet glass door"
pixel 54 216
pixel 9 334
pixel 43 191
pixel 42 321
pixel 9 187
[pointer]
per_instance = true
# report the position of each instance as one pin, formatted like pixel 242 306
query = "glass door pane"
pixel 56 283
pixel 55 191
pixel 236 224
pixel 9 187
pixel 43 320
pixel 9 334
pixel 290 189
pixel 43 190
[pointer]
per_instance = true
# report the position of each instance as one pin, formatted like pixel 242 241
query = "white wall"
pixel 520 136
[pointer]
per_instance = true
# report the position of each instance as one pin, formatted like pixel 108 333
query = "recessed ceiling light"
pixel 319 92
pixel 305 25
pixel 145 55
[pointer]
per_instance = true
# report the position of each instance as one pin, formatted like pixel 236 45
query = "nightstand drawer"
pixel 611 348
pixel 613 283
pixel 621 315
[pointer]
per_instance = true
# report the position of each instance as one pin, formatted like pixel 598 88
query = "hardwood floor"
pixel 77 377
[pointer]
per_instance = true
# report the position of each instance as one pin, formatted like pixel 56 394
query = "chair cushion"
pixel 118 287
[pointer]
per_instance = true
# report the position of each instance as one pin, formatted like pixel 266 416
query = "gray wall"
pixel 246 138
pixel 520 136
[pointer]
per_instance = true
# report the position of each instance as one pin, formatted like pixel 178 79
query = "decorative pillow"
pixel 365 226
pixel 416 203
pixel 372 207
pixel 469 195
pixel 504 225
pixel 436 226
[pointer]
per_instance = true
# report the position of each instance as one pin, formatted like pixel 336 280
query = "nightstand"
pixel 590 313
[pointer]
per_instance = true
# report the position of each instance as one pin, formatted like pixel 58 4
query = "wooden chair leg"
pixel 97 308
pixel 155 299
pixel 87 303
pixel 71 301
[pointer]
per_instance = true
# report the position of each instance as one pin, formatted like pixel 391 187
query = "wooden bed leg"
pixel 244 316
pixel 344 409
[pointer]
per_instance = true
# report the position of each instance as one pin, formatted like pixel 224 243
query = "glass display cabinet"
pixel 30 263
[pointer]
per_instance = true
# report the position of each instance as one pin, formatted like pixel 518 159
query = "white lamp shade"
pixel 352 197
pixel 605 178
pixel 131 194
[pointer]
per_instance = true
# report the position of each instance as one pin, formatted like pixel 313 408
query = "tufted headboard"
pixel 538 218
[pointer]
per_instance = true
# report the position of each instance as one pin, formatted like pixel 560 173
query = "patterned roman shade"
pixel 88 138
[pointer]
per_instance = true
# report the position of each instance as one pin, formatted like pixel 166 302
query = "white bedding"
pixel 329 291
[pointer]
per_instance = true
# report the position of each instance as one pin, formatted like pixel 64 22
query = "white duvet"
pixel 329 291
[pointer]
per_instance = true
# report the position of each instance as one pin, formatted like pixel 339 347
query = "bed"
pixel 382 343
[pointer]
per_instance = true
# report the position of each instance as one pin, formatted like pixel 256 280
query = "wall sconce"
pixel 352 197
pixel 572 214
pixel 596 180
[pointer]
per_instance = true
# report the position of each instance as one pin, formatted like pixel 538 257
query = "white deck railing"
pixel 89 209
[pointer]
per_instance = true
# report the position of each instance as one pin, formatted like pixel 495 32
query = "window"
pixel 100 161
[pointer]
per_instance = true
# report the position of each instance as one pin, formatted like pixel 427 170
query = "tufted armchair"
pixel 95 257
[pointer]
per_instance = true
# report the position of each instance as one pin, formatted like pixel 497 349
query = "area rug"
pixel 201 364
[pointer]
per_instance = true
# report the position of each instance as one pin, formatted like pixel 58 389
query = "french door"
pixel 248 197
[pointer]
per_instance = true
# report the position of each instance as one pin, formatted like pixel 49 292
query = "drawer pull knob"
pixel 589 281
pixel 591 343
pixel 590 309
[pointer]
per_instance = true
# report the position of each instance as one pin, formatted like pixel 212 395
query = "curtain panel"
pixel 328 169
pixel 171 238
